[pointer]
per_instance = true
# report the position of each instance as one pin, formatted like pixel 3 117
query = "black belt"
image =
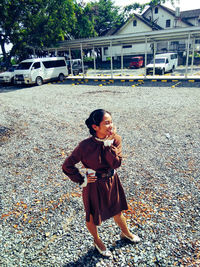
pixel 105 174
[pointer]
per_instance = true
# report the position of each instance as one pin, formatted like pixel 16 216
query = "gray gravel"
pixel 42 218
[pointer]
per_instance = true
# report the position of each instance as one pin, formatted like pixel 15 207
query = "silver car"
pixel 8 75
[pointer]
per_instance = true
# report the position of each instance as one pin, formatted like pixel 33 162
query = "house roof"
pixel 190 14
pixel 148 22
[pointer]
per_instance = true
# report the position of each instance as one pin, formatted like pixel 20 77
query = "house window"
pixel 105 50
pixel 127 46
pixel 134 23
pixel 156 10
pixel 168 23
pixel 175 43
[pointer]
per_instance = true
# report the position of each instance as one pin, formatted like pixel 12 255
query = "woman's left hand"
pixel 91 178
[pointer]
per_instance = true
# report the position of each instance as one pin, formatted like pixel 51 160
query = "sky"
pixel 183 4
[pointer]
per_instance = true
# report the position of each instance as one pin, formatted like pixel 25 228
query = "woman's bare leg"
pixel 121 222
pixel 92 228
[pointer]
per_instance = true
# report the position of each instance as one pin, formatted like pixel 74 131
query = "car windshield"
pixel 135 60
pixel 11 69
pixel 24 65
pixel 158 60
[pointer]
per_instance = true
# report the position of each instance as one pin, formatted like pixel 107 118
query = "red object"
pixel 136 62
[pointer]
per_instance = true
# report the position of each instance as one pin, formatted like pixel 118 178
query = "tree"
pixel 105 15
pixel 34 24
pixel 84 26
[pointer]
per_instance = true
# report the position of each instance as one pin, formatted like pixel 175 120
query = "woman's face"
pixel 105 128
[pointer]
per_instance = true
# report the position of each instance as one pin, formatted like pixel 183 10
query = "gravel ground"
pixel 42 218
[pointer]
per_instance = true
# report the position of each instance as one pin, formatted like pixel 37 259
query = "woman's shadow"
pixel 93 256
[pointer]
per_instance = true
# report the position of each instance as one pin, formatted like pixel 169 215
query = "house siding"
pixel 129 28
pixel 162 16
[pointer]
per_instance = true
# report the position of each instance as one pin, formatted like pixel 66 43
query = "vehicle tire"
pixel 162 71
pixel 75 72
pixel 12 80
pixel 172 69
pixel 39 81
pixel 61 77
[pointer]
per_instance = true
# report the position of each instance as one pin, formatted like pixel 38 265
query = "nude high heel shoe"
pixel 105 253
pixel 135 238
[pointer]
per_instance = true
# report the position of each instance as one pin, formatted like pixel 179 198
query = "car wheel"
pixel 162 71
pixel 12 80
pixel 61 77
pixel 75 72
pixel 39 81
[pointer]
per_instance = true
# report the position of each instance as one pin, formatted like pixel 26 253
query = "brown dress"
pixel 104 198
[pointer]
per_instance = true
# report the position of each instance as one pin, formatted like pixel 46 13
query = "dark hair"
pixel 96 118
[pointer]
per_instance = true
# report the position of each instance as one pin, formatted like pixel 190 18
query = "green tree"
pixel 84 26
pixel 34 24
pixel 105 15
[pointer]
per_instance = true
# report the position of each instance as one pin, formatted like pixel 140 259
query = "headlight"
pixel 6 77
pixel 26 76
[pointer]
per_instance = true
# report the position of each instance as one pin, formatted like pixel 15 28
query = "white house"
pixel 135 24
pixel 156 18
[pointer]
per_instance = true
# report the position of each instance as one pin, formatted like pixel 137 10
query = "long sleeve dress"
pixel 105 197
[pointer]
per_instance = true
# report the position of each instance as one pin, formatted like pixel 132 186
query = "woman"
pixel 103 195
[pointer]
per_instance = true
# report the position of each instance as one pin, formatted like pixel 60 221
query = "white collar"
pixel 100 139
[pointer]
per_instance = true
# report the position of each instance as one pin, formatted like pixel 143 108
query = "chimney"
pixel 177 12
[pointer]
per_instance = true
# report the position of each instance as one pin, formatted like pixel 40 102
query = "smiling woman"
pixel 103 194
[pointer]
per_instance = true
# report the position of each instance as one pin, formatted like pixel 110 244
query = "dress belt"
pixel 104 175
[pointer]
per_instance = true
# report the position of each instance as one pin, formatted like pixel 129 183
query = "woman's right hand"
pixel 112 133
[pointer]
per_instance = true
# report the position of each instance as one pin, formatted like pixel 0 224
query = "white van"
pixel 163 63
pixel 39 70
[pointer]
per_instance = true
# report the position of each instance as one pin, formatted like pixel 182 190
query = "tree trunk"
pixel 6 57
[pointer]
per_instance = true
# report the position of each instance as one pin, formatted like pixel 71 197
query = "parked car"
pixel 163 63
pixel 136 62
pixel 39 70
pixel 8 75
pixel 76 66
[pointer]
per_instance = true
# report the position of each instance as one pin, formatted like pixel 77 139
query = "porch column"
pixel 145 59
pixel 70 58
pixel 187 58
pixel 111 61
pixel 94 61
pixel 122 59
pixel 192 63
pixel 82 61
pixel 154 55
